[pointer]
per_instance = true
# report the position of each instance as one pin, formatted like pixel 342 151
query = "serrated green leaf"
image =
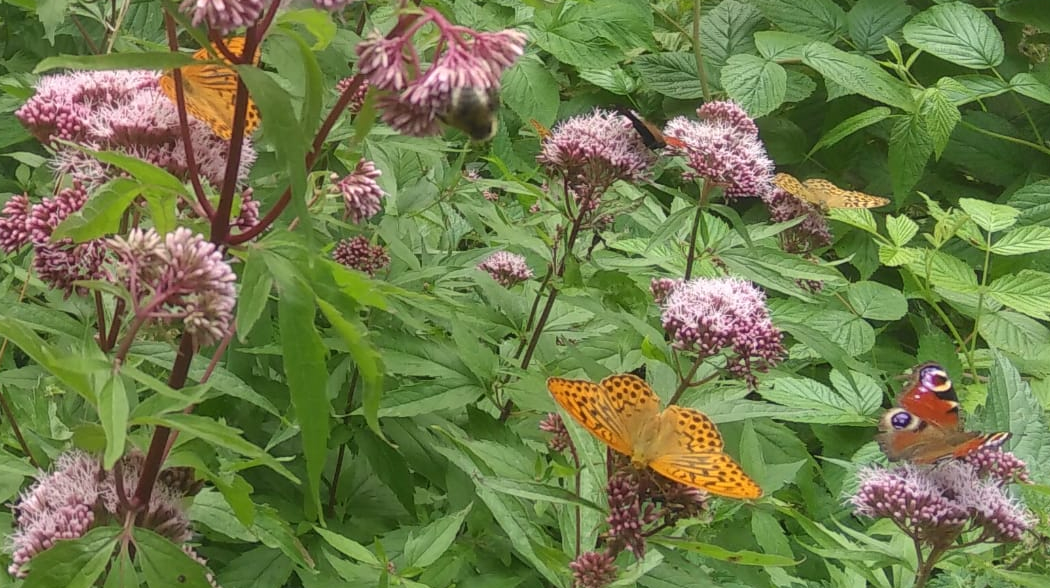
pixel 910 148
pixel 871 21
pixel 757 85
pixel 728 29
pixel 851 125
pixel 73 563
pixel 614 80
pixel 530 90
pixel 947 271
pixel 1029 85
pixel 1033 201
pixel 819 19
pixel 1010 406
pixel 959 33
pixel 1029 12
pixel 859 75
pixel 164 564
pixel 1027 291
pixel 348 546
pixel 855 217
pixel 989 216
pixel 876 301
pixel 671 74
pixel 1022 240
pixel 898 256
pixel 941 116
pixel 901 229
pixel 432 541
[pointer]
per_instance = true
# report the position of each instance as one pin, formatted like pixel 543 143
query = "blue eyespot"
pixel 901 420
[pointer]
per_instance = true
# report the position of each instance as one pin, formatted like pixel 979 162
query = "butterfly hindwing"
pixel 825 194
pixel 931 396
pixel 714 472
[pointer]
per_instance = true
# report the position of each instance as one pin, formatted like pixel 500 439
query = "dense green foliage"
pixel 381 430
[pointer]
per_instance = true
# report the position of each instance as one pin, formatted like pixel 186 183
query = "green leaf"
pixel 743 557
pixel 573 40
pixel 537 491
pixel 304 363
pixel 348 546
pixel 823 346
pixel 1011 406
pixel 728 29
pixel 820 19
pixel 851 125
pixel 45 356
pixel 870 21
pixel 671 74
pixel 910 149
pixel 901 229
pixel 165 564
pixel 424 547
pixel 1027 291
pixel 256 285
pixel 531 91
pixel 1028 85
pixel 875 301
pixel 366 357
pixel 113 413
pixel 219 434
pixel 1014 333
pixel 74 563
pixel 778 45
pixel 946 271
pixel 754 83
pixel 1023 579
pixel 989 216
pixel 822 404
pixel 959 33
pixel 614 80
pixel 941 116
pixel 1029 12
pixel 153 60
pixel 859 75
pixel 1022 240
pixel 142 171
pixel 101 214
pixel 855 217
pixel 1033 201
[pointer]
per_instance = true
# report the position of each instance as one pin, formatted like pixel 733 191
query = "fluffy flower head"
pixel 506 268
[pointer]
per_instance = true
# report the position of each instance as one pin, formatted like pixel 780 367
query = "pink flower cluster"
pixel 934 505
pixel 707 315
pixel 122 111
pixel 180 278
pixel 357 253
pixel 78 495
pixel 723 147
pixel 414 95
pixel 57 263
pixel 810 234
pixel 361 193
pixel 506 268
pixel 592 152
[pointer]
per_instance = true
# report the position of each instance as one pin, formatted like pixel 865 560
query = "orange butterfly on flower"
pixel 925 428
pixel 210 90
pixel 679 443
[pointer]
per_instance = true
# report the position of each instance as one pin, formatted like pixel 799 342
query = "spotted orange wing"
pixel 832 196
pixel 210 90
pixel 694 456
pixel 587 403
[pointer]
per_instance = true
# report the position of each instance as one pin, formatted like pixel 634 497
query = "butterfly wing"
pixel 651 135
pixel 791 185
pixel 211 89
pixel 588 404
pixel 904 436
pixel 930 396
pixel 542 131
pixel 832 196
pixel 692 454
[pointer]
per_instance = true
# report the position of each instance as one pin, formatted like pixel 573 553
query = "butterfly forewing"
pixel 716 473
pixel 211 90
pixel 587 403
pixel 694 432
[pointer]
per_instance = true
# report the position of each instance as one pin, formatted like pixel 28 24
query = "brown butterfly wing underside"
pixel 210 90
pixel 825 194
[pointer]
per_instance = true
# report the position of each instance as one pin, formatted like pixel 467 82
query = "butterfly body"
pixel 651 135
pixel 210 91
pixel 926 428
pixel 826 195
pixel 679 443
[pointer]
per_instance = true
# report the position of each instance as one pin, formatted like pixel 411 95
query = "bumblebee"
pixel 472 111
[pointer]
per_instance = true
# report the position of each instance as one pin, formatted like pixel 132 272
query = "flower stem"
pixel 687 380
pixel 698 50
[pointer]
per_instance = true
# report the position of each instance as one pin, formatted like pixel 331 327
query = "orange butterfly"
pixel 542 131
pixel 824 194
pixel 925 428
pixel 210 90
pixel 679 443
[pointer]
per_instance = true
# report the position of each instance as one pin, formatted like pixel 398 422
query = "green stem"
pixel 980 295
pixel 1029 144
pixel 698 51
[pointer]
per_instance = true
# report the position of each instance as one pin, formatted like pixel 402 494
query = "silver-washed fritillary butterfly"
pixel 679 443
pixel 211 89
pixel 825 194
